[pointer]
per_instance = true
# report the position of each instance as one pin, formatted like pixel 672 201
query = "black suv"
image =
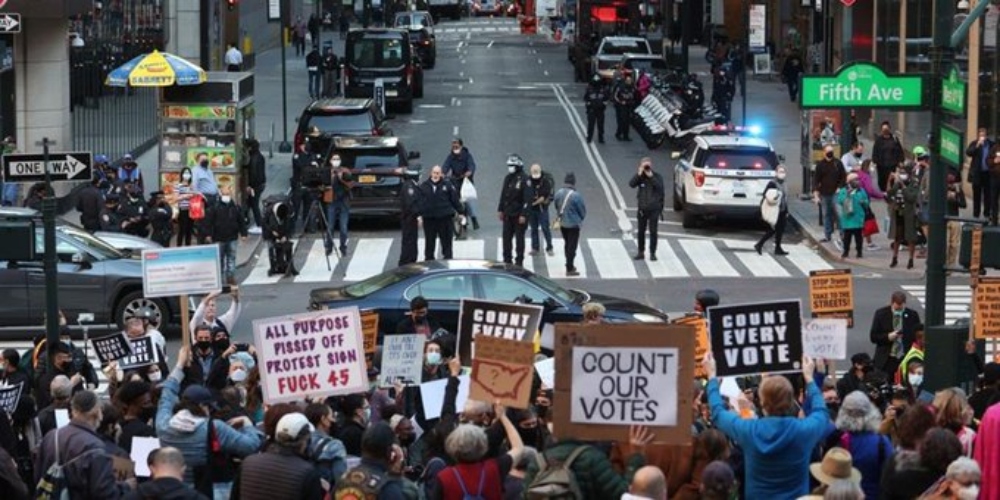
pixel 386 54
pixel 94 277
pixel 342 116
pixel 378 166
pixel 422 43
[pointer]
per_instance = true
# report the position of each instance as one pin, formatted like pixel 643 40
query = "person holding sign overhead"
pixel 776 447
pixel 208 313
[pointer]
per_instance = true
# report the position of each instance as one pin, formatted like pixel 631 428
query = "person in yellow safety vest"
pixel 916 352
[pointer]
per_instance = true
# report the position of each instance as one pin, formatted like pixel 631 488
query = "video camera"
pixel 315 177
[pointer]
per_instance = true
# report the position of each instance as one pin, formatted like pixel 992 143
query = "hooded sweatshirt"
pixel 777 449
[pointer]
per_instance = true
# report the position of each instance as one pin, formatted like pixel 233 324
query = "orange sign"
pixel 502 370
pixel 831 294
pixel 986 308
pixel 369 327
pixel 701 346
pixel 976 253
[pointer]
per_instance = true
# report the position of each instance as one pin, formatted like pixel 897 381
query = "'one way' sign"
pixel 10 23
pixel 72 166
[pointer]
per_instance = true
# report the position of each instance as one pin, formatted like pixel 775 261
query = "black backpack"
pixel 52 485
pixel 556 482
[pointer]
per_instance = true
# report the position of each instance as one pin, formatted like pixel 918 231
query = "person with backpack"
pixel 326 453
pixel 72 461
pixel 574 469
pixel 475 476
pixel 378 475
pixel 857 432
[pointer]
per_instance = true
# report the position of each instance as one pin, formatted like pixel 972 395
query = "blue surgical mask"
pixel 433 358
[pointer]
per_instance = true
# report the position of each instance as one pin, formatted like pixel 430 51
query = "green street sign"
pixel 951 145
pixel 953 93
pixel 862 85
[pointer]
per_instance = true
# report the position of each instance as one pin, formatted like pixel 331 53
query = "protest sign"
pixel 546 370
pixel 831 294
pixel 314 354
pixel 701 346
pixel 502 370
pixel 111 347
pixel 754 338
pixel 122 467
pixel 10 395
pixel 402 359
pixel 825 338
pixel 62 417
pixel 611 376
pixel 369 328
pixel 495 319
pixel 432 395
pixel 986 304
pixel 144 353
pixel 141 448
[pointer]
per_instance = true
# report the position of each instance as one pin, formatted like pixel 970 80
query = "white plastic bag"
pixel 468 192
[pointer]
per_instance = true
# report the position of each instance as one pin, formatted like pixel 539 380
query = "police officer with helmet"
pixel 515 198
pixel 596 99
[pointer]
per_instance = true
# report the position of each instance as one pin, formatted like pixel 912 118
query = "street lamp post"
pixel 49 262
pixel 285 146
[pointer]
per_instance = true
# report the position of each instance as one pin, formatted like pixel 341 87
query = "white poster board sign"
pixel 546 369
pixel 402 359
pixel 141 448
pixel 315 354
pixel 624 385
pixel 171 272
pixel 825 338
pixel 432 394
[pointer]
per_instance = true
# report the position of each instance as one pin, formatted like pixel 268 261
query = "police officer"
pixel 111 221
pixel 624 102
pixel 303 159
pixel 134 212
pixel 161 218
pixel 439 205
pixel 409 215
pixel 513 209
pixel 596 99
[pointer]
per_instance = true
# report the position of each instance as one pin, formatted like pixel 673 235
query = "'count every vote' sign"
pixel 862 85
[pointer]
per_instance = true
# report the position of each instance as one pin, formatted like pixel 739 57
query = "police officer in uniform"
pixel 409 215
pixel 624 102
pixel 134 212
pixel 110 220
pixel 596 99
pixel 304 158
pixel 161 218
pixel 515 198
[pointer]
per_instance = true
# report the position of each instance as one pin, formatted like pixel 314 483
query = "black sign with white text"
pixel 496 319
pixel 748 339
pixel 111 347
pixel 144 353
pixel 72 166
pixel 10 395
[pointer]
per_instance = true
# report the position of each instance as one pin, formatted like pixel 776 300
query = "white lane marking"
pixel 529 264
pixel 453 99
pixel 258 275
pixel 468 36
pixel 368 259
pixel 707 259
pixel 546 72
pixel 556 264
pixel 489 45
pixel 458 102
pixel 667 264
pixel 469 249
pixel 471 81
pixel 611 258
pixel 461 74
pixel 539 60
pixel 460 86
pixel 314 269
pixel 432 106
pixel 761 266
pixel 418 122
pixel 806 259
pixel 454 130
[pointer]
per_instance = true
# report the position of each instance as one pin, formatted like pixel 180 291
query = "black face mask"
pixel 221 345
pixel 405 442
pixel 419 318
pixel 148 413
pixel 529 436
pixel 204 163
pixel 829 156
pixel 203 345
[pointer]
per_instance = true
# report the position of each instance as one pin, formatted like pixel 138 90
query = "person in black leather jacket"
pixel 515 198
pixel 438 208
pixel 89 202
pixel 650 201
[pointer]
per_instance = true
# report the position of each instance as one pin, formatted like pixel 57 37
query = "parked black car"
pixel 386 54
pixel 423 44
pixel 378 166
pixel 342 116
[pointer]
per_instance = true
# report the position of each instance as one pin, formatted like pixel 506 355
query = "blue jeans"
pixel 337 213
pixel 315 77
pixel 10 191
pixel 227 259
pixel 829 207
pixel 540 217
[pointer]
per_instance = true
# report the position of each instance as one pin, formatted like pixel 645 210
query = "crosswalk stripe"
pixel 761 266
pixel 707 259
pixel 258 275
pixel 314 270
pixel 468 249
pixel 529 263
pixel 668 265
pixel 555 264
pixel 611 258
pixel 368 258
pixel 806 259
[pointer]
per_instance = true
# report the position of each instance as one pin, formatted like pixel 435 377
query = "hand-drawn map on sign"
pixel 748 339
pixel 503 370
pixel 495 319
pixel 609 377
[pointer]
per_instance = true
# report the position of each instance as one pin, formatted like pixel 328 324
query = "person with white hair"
pixel 961 481
pixel 857 422
pixel 844 489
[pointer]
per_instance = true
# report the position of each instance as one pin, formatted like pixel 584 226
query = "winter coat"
pixel 328 455
pixel 904 478
pixel 777 450
pixel 257 171
pixel 858 201
pixel 829 176
pixel 189 433
pixel 89 477
pixel 576 209
pixel 596 98
pixel 540 191
pixel 870 451
pixel 651 192
pixel 439 200
pixel 909 194
pixel 869 187
pixel 887 152
pixel 227 221
pixel 90 202
pixel 277 473
pixel 515 196
pixel 165 488
pixel 457 165
pixel 978 156
pixel 594 472
pixel 773 203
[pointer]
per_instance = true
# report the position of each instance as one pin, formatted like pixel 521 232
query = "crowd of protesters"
pixel 781 436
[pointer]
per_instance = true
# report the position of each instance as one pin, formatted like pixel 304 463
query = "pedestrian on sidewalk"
pixel 774 211
pixel 853 203
pixel 921 177
pixel 570 213
pixel 828 177
pixel 791 72
pixel 853 158
pixel 299 36
pixel 596 100
pixel 437 211
pixel 331 66
pixel 904 197
pixel 234 59
pixel 409 218
pixel 227 224
pixel 864 173
pixel 313 27
pixel 161 219
pixel 887 153
pixel 314 63
pixel 650 194
pixel 256 172
pixel 512 210
pixel 955 203
pixel 624 98
pixel 542 187
pixel 979 173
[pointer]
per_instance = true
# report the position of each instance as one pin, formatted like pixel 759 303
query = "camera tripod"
pixel 316 207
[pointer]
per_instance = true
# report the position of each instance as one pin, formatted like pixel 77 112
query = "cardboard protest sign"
pixel 402 359
pixel 495 319
pixel 503 370
pixel 314 354
pixel 432 394
pixel 701 345
pixel 144 353
pixel 546 370
pixel 976 254
pixel 831 294
pixel 369 328
pixel 609 377
pixel 10 395
pixel 748 339
pixel 986 307
pixel 825 338
pixel 111 347
pixel 122 467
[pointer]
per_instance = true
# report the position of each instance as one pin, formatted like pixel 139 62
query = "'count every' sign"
pixel 862 85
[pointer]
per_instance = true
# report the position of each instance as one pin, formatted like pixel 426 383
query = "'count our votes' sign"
pixel 862 85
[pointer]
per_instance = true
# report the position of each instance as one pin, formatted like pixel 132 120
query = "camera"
pixel 242 347
pixel 315 177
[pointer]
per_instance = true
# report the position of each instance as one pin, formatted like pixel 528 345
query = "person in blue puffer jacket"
pixel 182 421
pixel 776 447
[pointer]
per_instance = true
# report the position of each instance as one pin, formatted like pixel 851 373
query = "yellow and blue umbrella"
pixel 156 69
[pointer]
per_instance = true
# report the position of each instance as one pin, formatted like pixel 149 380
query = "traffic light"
pixel 232 4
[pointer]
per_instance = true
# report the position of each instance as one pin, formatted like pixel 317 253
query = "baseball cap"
pixel 291 427
pixel 198 395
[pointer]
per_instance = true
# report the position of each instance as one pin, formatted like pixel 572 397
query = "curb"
pixel 251 253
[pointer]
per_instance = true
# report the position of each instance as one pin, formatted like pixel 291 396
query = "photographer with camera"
pixel 337 198
pixel 306 158
pixel 861 377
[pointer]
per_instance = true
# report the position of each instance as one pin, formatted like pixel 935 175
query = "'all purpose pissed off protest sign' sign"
pixel 754 338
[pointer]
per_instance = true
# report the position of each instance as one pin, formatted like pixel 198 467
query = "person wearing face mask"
pixel 256 172
pixel 208 366
pixel 458 166
pixel 338 204
pixel 541 186
pixel 978 152
pixel 512 210
pixel 887 153
pixel 357 413
pixel 410 201
pixel 109 429
pixel 326 453
pixel 624 99
pixel 129 172
pixel 650 194
pixel 904 224
pixel 596 99
pixel 419 320
pixel 227 223
pixel 960 482
pixel 87 468
pixel 774 211
pixel 204 184
pixel 183 192
pixel 893 332
pixel 134 212
pixel 853 203
pixel 828 177
pixel 438 208
pixel 111 221
pixel 914 380
pixel 853 158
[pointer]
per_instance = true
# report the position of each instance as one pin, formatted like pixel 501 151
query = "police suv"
pixel 723 173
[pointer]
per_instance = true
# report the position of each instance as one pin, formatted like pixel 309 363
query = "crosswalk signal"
pixel 232 4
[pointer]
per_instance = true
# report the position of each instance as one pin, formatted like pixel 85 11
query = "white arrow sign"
pixel 66 167
pixel 9 24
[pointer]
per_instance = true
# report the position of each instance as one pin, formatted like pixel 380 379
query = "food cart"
pixel 215 118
